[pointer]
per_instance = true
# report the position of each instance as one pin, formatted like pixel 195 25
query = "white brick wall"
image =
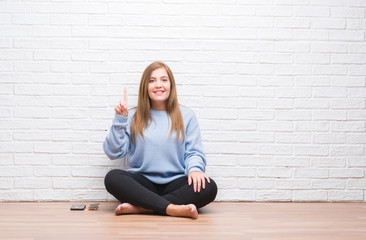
pixel 278 86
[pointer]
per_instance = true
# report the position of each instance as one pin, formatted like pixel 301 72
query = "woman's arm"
pixel 117 142
pixel 195 159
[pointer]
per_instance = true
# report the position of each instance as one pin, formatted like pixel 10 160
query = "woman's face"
pixel 159 88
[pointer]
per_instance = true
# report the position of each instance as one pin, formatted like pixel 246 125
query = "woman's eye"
pixel 151 80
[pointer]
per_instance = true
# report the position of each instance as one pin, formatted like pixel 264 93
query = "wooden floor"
pixel 257 221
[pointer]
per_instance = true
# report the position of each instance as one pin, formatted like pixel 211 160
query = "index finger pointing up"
pixel 125 96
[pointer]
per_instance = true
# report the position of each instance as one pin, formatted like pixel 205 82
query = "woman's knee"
pixel 110 178
pixel 212 188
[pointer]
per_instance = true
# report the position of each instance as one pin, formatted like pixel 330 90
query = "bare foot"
pixel 189 210
pixel 127 208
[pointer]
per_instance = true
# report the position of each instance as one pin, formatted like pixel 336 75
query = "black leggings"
pixel 137 190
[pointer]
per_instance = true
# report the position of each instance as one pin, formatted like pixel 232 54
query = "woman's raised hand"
pixel 121 108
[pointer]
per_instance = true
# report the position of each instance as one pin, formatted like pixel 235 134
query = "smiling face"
pixel 159 89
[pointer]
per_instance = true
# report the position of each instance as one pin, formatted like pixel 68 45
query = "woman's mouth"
pixel 159 92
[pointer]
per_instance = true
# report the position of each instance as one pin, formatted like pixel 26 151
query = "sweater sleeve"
pixel 194 157
pixel 117 143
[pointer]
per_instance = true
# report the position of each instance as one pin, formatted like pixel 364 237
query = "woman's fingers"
pixel 199 180
pixel 125 97
pixel 122 108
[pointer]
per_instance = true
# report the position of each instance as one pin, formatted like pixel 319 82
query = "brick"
pixel 357 115
pixel 18 195
pixel 311 150
pixel 357 70
pixel 52 55
pixel 309 195
pixel 293 92
pixel 274 172
pixel 6 183
pixel 256 92
pixel 341 12
pixel 312 173
pixel 233 148
pixel 299 115
pixel 275 104
pixel 255 69
pixel 349 81
pixel 69 19
pixel 292 184
pixel 256 137
pixel 31 19
pixel 328 161
pixel 215 113
pixel 70 183
pixel 233 172
pixel 16 55
pixel 34 89
pixel 52 147
pixel 69 67
pixel 329 47
pixel 32 112
pixel 291 70
pixel 32 183
pixel 329 115
pixel 32 43
pixel 88 172
pixel 93 195
pixel 346 150
pixel 6 159
pixel 32 159
pixel 275 149
pixel 348 59
pixel 236 194
pixel 16 171
pixel 356 184
pixel 292 47
pixel 31 136
pixel 329 138
pixel 345 195
pixel 70 44
pixel 5 112
pixel 349 103
pixel 312 58
pixel 356 161
pixel 356 138
pixel 327 184
pixel 292 138
pixel 311 11
pixel 318 103
pixel 273 195
pixel 291 161
pixel 346 35
pixel 6 42
pixel 347 173
pixel 294 23
pixel 328 23
pixel 350 126
pixel 220 91
pixel 52 194
pixel 256 114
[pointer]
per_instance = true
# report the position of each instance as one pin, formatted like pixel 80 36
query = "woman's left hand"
pixel 198 180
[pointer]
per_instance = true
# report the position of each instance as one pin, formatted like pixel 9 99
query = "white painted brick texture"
pixel 278 87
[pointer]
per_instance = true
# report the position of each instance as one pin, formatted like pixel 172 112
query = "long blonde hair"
pixel 142 117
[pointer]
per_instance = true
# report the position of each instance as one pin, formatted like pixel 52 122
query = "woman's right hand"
pixel 121 108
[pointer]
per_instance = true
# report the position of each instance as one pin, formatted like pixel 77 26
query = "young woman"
pixel 165 155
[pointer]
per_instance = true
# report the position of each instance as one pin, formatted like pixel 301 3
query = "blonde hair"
pixel 142 117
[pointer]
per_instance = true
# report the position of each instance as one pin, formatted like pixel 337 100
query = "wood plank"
pixel 219 220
